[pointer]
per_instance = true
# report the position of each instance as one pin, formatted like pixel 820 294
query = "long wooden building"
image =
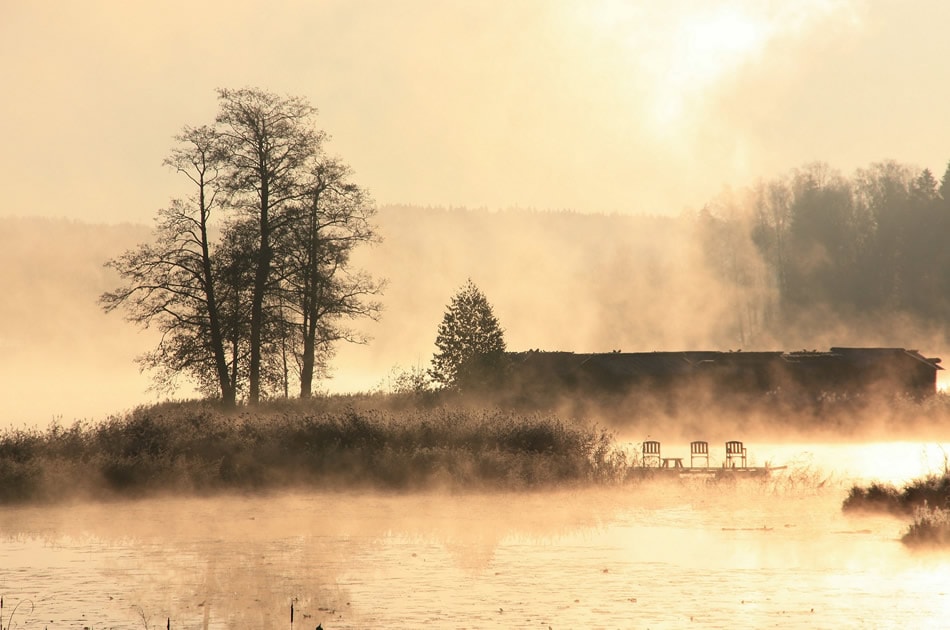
pixel 838 371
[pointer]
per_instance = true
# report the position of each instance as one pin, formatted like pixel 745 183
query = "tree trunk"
pixel 228 394
pixel 257 300
pixel 311 303
pixel 306 369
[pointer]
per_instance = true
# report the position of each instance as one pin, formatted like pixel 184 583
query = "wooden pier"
pixel 735 464
pixel 708 472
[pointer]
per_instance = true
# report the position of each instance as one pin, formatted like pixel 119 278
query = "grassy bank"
pixel 198 448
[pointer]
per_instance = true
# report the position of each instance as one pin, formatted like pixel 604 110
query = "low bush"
pixel 877 497
pixel 929 491
pixel 930 527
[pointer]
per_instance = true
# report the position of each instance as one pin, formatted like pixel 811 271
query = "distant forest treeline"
pixel 802 261
pixel 867 248
pixel 807 260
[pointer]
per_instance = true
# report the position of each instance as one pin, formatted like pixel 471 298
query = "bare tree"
pixel 270 145
pixel 320 286
pixel 171 283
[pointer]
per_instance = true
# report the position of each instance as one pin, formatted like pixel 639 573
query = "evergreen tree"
pixel 470 342
pixel 944 190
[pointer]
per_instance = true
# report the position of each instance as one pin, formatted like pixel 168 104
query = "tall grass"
pixel 197 448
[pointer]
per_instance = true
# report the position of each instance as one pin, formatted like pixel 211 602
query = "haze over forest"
pixel 613 174
pixel 842 261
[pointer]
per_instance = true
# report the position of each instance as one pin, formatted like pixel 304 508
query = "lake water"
pixel 658 555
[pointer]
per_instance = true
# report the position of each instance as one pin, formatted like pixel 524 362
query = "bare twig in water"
pixel 141 612
pixel 13 612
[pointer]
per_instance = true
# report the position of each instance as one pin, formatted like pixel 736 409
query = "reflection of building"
pixel 845 371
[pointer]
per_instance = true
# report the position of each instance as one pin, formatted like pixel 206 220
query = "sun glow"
pixel 673 56
pixel 704 49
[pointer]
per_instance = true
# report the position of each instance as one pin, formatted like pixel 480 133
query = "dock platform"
pixel 734 464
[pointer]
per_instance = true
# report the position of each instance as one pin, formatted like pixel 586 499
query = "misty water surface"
pixel 658 555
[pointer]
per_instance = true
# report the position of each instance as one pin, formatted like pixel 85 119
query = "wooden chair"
pixel 735 452
pixel 698 450
pixel 651 452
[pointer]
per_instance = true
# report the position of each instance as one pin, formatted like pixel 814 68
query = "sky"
pixel 616 106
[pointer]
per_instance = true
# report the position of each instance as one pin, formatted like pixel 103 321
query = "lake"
pixel 657 555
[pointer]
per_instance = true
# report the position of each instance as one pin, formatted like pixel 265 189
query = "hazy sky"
pixel 612 105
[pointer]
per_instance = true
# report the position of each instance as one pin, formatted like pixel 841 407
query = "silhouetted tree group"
pixel 249 279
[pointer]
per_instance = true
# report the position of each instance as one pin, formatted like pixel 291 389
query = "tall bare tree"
pixel 320 286
pixel 170 283
pixel 270 145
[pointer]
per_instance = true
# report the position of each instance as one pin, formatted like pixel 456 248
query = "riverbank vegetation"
pixel 926 499
pixel 931 526
pixel 198 447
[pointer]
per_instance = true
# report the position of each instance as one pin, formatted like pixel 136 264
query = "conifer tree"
pixel 470 342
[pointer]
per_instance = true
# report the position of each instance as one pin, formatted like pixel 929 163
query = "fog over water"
pixel 751 554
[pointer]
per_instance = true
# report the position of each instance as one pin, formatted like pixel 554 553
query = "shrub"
pixel 931 490
pixel 931 526
pixel 877 497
